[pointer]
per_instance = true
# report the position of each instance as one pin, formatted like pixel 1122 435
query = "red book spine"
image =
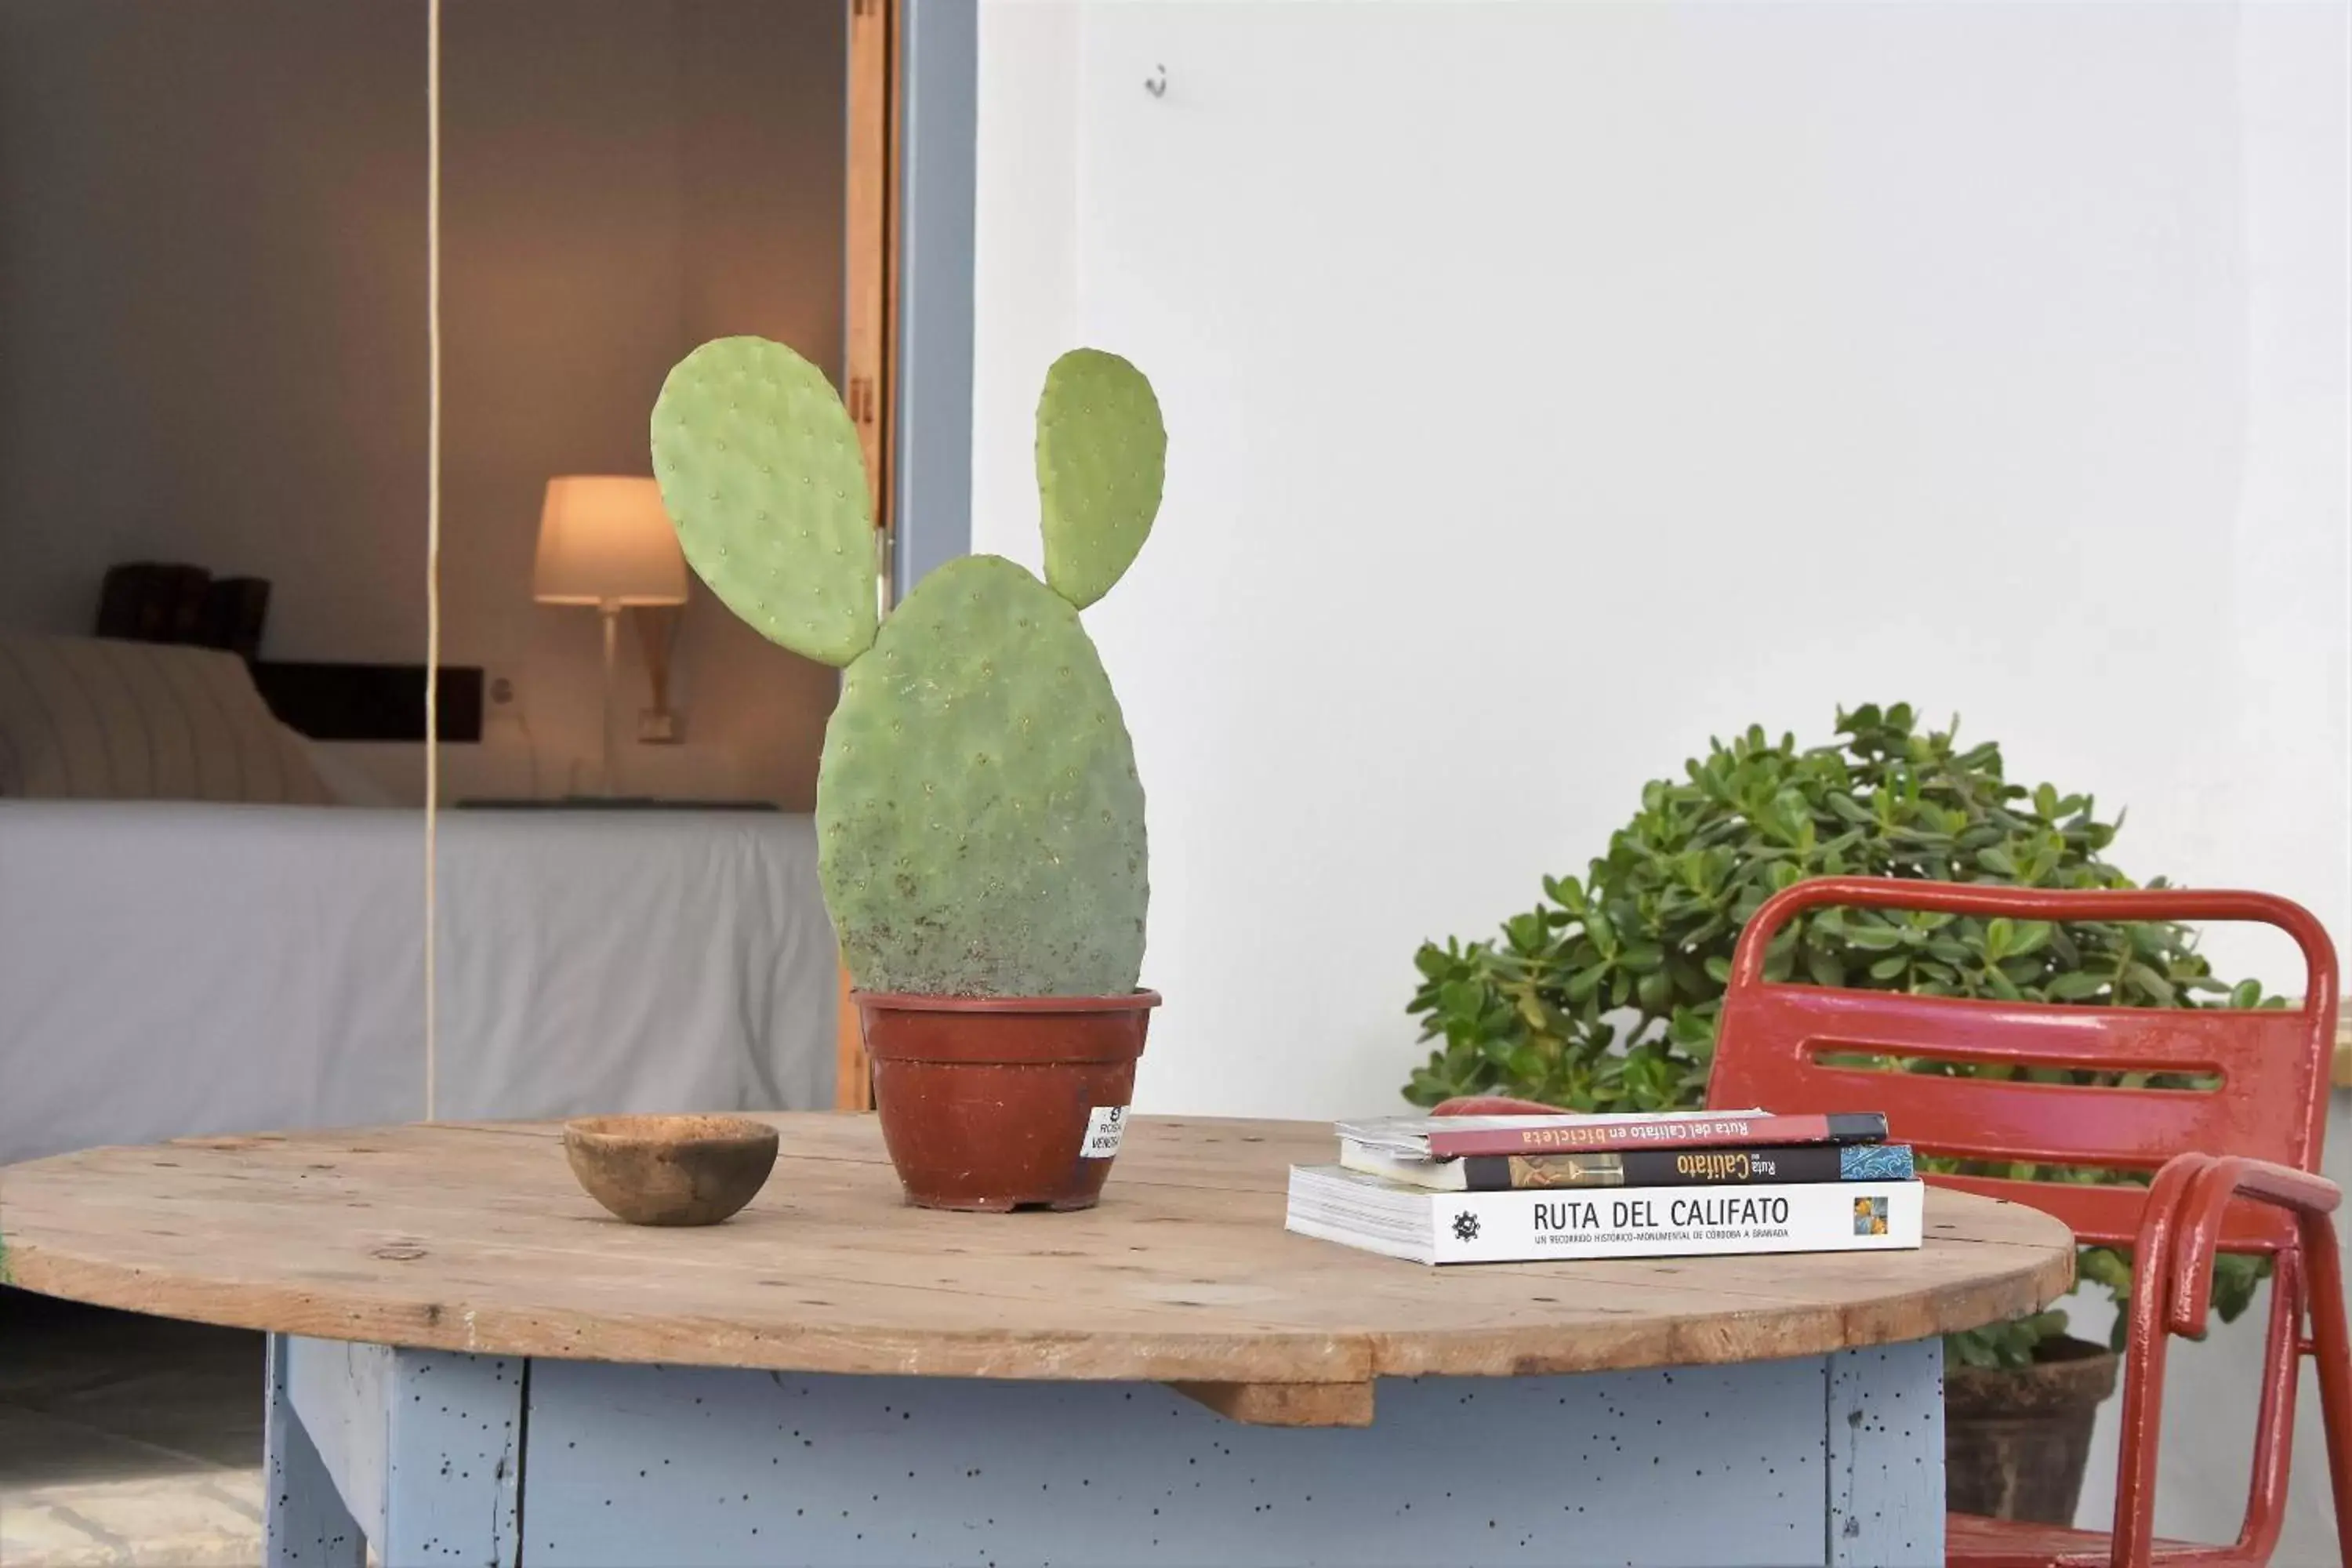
pixel 1694 1132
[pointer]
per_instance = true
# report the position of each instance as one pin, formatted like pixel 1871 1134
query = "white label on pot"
pixel 1105 1124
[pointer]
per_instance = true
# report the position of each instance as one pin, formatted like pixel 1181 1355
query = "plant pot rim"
pixel 2076 1374
pixel 2060 1350
pixel 920 1002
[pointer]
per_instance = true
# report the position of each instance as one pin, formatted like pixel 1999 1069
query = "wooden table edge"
pixel 1302 1379
pixel 1279 1374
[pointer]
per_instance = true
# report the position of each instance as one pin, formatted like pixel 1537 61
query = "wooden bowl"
pixel 670 1170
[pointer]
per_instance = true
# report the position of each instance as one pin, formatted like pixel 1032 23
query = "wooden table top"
pixel 473 1237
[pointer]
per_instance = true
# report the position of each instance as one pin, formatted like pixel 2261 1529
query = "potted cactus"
pixel 980 822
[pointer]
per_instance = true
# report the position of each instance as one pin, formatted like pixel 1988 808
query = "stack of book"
pixel 1516 1189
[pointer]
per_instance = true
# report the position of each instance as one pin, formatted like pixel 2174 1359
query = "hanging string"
pixel 432 545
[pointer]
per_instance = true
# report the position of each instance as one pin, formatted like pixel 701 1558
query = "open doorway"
pixel 214 406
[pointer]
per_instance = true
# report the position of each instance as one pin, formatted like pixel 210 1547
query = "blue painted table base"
pixel 445 1459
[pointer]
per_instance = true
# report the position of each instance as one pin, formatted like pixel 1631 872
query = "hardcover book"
pixel 1333 1204
pixel 1676 1167
pixel 1445 1137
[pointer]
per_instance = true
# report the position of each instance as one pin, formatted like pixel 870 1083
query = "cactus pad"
pixel 1102 454
pixel 761 471
pixel 979 823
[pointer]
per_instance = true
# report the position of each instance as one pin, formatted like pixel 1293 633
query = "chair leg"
pixel 2331 1341
pixel 2134 1538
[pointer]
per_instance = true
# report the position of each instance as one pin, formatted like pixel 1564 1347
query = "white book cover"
pixel 1530 1227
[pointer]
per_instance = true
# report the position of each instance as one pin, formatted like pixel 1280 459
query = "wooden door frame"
pixel 912 114
pixel 870 273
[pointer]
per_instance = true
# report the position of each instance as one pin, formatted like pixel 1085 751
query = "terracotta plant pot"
pixel 1004 1102
pixel 2015 1442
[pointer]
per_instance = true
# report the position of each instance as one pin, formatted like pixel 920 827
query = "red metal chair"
pixel 2237 1167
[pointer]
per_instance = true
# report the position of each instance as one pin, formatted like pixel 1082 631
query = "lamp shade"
pixel 604 539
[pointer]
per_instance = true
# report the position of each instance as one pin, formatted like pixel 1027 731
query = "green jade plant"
pixel 980 820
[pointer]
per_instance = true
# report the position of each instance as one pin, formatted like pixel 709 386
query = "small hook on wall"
pixel 1156 84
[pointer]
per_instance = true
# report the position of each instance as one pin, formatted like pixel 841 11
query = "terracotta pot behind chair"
pixel 2016 1443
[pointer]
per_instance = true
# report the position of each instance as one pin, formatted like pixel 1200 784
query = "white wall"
pixel 1550 386
pixel 212 298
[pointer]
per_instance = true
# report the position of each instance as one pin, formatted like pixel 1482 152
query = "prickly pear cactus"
pixel 980 822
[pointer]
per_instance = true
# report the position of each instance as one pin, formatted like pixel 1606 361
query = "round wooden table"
pixel 471 1362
